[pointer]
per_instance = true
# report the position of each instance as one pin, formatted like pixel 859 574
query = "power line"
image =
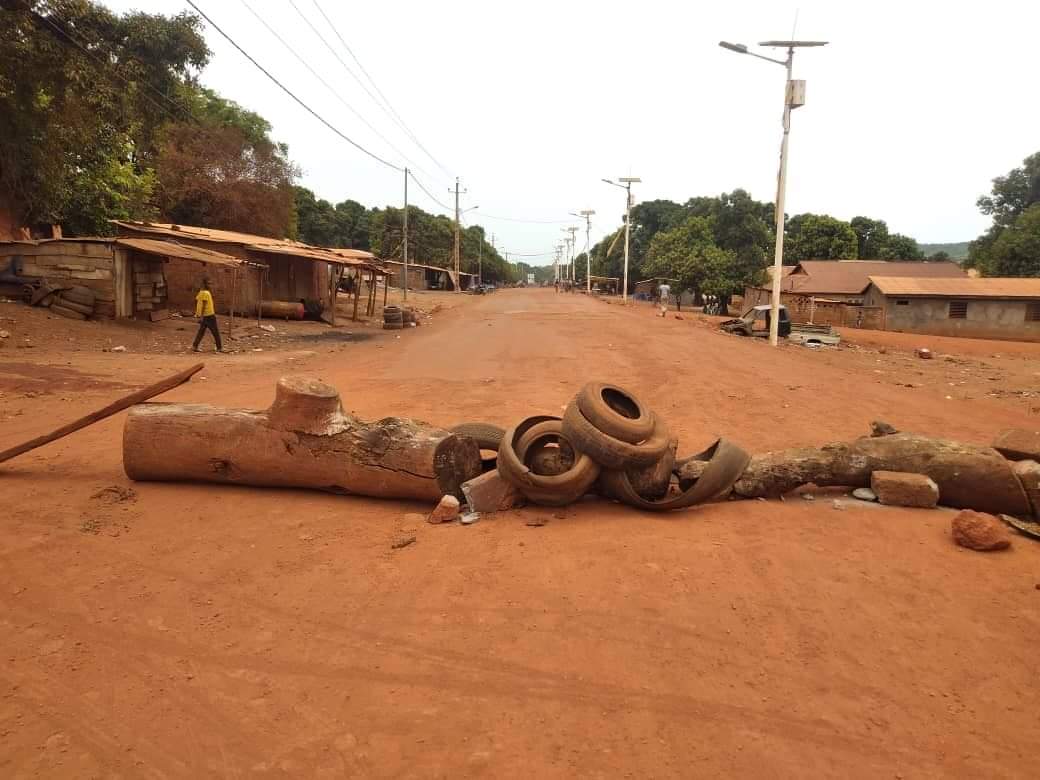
pixel 529 221
pixel 318 76
pixel 396 116
pixel 428 193
pixel 290 93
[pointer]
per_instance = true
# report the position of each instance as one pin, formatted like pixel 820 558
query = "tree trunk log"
pixel 303 440
pixel 968 476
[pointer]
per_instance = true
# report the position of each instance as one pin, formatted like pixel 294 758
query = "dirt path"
pixel 184 630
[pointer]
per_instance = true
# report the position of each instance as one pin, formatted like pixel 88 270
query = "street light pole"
pixel 587 213
pixel 626 185
pixel 405 235
pixel 794 96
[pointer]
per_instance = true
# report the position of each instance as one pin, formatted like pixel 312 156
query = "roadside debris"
pixel 120 348
pixel 881 428
pixel 402 543
pixel 469 518
pixel 864 494
pixel 446 511
pixel 1018 444
pixel 924 353
pixel 901 489
pixel 979 531
pixel 491 493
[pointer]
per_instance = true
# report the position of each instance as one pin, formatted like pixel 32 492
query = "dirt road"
pixel 179 630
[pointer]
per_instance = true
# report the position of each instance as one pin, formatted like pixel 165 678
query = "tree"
pixel 940 255
pixel 871 237
pixel 900 247
pixel 82 94
pixel 819 237
pixel 1016 251
pixel 1011 196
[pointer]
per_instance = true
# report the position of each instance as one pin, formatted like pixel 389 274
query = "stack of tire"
pixel 76 303
pixel 610 443
pixel 393 318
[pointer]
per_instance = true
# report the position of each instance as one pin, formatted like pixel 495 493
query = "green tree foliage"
pixel 819 237
pixel 1016 250
pixel 900 247
pixel 77 128
pixel 940 255
pixel 871 237
pixel 1012 197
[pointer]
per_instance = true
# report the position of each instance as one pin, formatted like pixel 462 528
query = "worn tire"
pixel 74 305
pixel 556 490
pixel 57 308
pixel 486 435
pixel 609 452
pixel 726 464
pixel 84 296
pixel 392 326
pixel 616 412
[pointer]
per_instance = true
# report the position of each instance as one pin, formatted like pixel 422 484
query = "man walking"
pixel 663 291
pixel 207 315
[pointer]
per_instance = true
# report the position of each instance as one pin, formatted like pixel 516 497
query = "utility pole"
pixel 480 261
pixel 574 243
pixel 794 96
pixel 626 184
pixel 587 214
pixel 456 254
pixel 406 234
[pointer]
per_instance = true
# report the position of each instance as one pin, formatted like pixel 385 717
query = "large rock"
pixel 1018 444
pixel 979 531
pixel 490 493
pixel 898 488
pixel 447 511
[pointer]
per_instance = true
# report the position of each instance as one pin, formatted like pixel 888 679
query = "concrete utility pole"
pixel 456 255
pixel 405 234
pixel 794 96
pixel 626 185
pixel 574 242
pixel 587 214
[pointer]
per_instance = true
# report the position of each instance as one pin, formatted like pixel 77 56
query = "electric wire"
pixel 291 94
pixel 396 116
pixel 328 86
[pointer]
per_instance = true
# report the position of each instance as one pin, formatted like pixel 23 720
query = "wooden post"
pixel 334 277
pixel 234 280
pixel 371 293
pixel 116 406
pixel 259 294
pixel 357 292
pixel 386 289
pixel 302 440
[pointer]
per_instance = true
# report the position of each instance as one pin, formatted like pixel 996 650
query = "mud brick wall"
pixel 183 278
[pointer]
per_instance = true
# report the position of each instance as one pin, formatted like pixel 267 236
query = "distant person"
pixel 207 316
pixel 663 292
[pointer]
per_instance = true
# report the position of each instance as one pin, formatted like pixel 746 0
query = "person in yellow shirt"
pixel 207 315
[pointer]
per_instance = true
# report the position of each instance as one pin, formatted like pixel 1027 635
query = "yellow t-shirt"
pixel 204 304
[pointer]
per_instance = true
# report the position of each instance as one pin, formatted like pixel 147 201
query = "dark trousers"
pixel 208 323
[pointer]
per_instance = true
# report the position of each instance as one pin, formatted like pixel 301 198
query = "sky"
pixel 911 110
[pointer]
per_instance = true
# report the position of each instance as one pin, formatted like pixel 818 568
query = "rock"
pixel 470 518
pixel 882 428
pixel 924 353
pixel 490 493
pixel 979 531
pixel 1028 473
pixel 808 497
pixel 898 488
pixel 1018 444
pixel 119 349
pixel 4 334
pixel 402 542
pixel 864 494
pixel 678 316
pixel 266 327
pixel 447 511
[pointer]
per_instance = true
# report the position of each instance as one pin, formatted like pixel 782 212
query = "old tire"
pixel 392 326
pixel 616 412
pixel 555 490
pixel 486 435
pixel 609 452
pixel 726 464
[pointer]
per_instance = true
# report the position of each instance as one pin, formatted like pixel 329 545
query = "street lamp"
pixel 626 184
pixel 794 96
pixel 587 213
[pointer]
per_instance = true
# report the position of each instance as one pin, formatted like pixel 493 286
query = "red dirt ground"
pixel 188 630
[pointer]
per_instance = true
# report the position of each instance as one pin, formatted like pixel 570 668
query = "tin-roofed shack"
pixel 292 271
pixel 992 308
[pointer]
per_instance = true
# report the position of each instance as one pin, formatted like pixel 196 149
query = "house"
pixel 991 308
pixel 428 277
pixel 281 269
pixel 126 275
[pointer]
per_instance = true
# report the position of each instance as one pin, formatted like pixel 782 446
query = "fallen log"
pixel 303 440
pixel 968 476
pixel 116 406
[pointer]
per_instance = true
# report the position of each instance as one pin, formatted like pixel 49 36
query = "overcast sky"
pixel 911 110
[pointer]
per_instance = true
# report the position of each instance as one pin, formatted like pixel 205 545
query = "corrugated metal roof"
pixel 965 287
pixel 173 249
pixel 851 277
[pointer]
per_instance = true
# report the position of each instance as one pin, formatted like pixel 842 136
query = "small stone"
pixel 882 428
pixel 490 493
pixel 1018 444
pixel 836 504
pixel 924 353
pixel 447 511
pixel 678 316
pixel 979 531
pixel 119 349
pixel 1028 473
pixel 402 542
pixel 898 488
pixel 4 334
pixel 470 518
pixel 808 497
pixel 864 494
